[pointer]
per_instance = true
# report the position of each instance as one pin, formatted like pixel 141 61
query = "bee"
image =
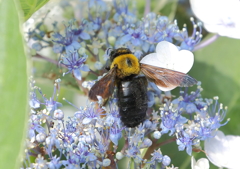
pixel 125 73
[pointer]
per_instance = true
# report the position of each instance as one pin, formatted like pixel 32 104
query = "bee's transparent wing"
pixel 104 87
pixel 167 79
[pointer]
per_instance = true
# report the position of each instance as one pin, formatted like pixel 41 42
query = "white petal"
pixel 203 9
pixel 203 163
pixel 166 53
pixel 193 162
pixel 223 151
pixel 223 30
pixel 214 149
pixel 152 59
pixel 210 12
pixel 166 89
pixel 184 61
pixel 234 149
pixel 168 56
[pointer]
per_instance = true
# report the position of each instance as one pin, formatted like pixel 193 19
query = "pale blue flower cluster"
pixel 97 31
pixel 94 137
pixel 85 138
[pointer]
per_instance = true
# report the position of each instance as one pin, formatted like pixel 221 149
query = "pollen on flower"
pixel 193 92
pixel 161 108
pixel 175 22
pixel 221 106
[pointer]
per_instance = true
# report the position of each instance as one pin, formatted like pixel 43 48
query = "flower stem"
pixel 95 56
pixel 49 60
pixel 166 142
pixel 93 72
pixel 206 42
pixel 110 155
pixel 125 146
pixel 79 82
pixel 147 7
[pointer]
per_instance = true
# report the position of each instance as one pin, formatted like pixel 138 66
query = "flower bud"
pixel 58 114
pixel 37 46
pixel 166 160
pixel 41 137
pixel 157 135
pixel 119 155
pixel 106 162
pixel 146 143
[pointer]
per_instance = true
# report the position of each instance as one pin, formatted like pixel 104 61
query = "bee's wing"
pixel 104 87
pixel 167 79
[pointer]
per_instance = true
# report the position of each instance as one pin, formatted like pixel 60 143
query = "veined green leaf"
pixel 31 6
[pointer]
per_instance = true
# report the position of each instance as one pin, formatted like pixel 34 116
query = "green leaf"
pixel 31 6
pixel 13 86
pixel 217 67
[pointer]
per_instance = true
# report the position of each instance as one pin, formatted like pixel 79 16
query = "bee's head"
pixel 117 52
pixel 126 63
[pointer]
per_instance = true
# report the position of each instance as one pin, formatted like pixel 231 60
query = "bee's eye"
pixel 129 62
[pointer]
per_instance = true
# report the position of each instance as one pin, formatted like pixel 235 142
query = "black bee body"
pixel 132 100
pixel 124 72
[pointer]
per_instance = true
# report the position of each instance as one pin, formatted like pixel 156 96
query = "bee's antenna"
pixel 109 50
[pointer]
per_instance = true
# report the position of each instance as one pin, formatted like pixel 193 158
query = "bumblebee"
pixel 125 72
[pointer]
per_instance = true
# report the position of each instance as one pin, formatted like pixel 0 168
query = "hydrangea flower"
pixel 88 134
pixel 188 42
pixel 185 141
pixel 75 64
pixel 91 137
pixel 170 118
pixel 202 163
pixel 190 103
pixel 51 104
pixel 222 150
pixel 68 42
pixel 115 133
pixel 219 16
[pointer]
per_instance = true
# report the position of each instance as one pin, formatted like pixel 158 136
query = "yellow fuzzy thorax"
pixel 127 65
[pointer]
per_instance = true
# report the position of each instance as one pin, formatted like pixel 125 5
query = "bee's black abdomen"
pixel 132 95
